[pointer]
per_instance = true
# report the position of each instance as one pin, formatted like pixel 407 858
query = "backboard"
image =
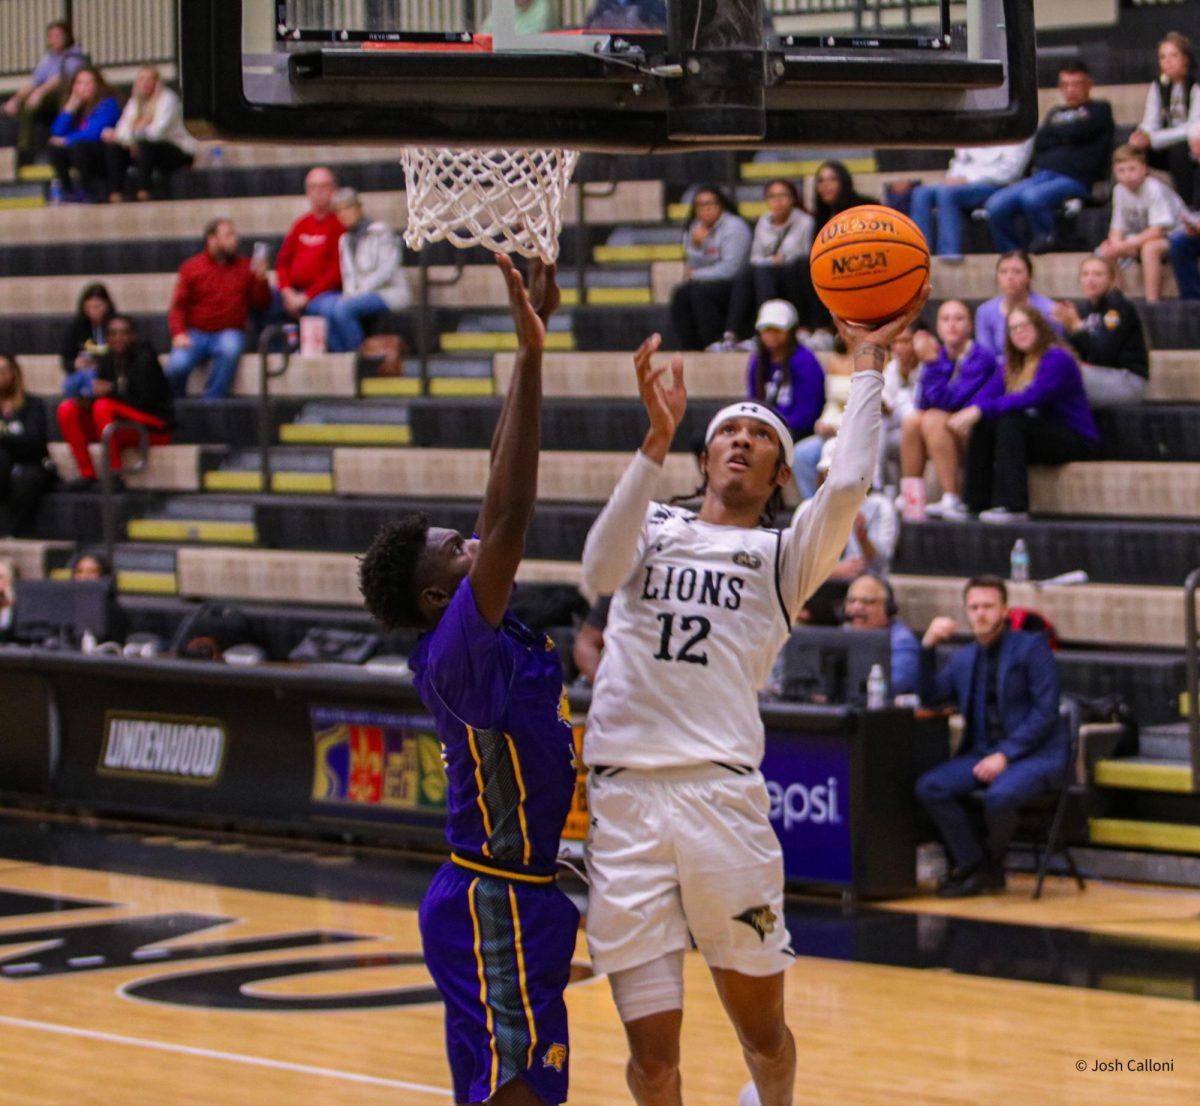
pixel 610 75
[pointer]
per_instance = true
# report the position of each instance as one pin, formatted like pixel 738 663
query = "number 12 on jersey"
pixel 695 622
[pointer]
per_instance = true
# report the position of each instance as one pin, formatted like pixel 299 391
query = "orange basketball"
pixel 868 263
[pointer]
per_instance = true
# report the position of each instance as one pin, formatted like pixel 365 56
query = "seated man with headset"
pixel 871 605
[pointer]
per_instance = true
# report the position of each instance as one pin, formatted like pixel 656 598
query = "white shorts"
pixel 682 852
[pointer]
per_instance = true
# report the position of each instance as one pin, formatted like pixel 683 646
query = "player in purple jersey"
pixel 498 933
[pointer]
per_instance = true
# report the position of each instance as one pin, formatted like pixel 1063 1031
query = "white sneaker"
pixel 725 345
pixel 749 1096
pixel 949 507
pixel 1002 516
pixel 819 341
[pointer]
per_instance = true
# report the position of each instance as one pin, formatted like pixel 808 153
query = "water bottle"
pixel 876 688
pixel 214 157
pixel 1018 563
pixel 56 192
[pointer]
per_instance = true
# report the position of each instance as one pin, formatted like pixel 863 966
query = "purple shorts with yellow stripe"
pixel 500 953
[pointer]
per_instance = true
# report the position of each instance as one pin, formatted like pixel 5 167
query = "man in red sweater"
pixel 214 295
pixel 308 265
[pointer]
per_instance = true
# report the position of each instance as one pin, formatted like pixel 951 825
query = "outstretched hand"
pixel 531 310
pixel 860 335
pixel 665 397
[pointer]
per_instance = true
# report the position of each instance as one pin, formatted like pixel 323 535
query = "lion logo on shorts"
pixel 761 919
pixel 556 1056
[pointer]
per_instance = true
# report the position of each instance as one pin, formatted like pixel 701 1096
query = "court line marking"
pixel 231 1057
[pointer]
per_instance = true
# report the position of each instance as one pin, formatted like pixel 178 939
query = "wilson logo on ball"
pixel 854 224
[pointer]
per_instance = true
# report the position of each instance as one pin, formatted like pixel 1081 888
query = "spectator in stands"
pixel 955 372
pixel 1184 244
pixel 25 472
pixel 900 380
pixel 975 172
pixel 214 294
pixel 871 605
pixel 1071 152
pixel 872 541
pixel 778 268
pixel 1172 106
pixel 589 642
pixel 716 247
pixel 86 339
pixel 1015 745
pixel 808 450
pixel 151 137
pixel 1042 417
pixel 88 564
pixel 7 597
pixel 308 262
pixel 626 15
pixel 36 103
pixel 76 149
pixel 532 17
pixel 1108 338
pixel 1145 211
pixel 835 191
pixel 372 279
pixel 129 386
pixel 1014 277
pixel 786 375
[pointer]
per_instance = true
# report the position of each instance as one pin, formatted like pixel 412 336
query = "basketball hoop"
pixel 509 201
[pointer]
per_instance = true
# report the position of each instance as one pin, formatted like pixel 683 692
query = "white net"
pixel 507 200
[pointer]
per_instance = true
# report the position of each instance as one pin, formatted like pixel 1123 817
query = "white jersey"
pixel 700 611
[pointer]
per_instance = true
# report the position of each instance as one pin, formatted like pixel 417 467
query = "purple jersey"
pixel 501 711
pixel 498 933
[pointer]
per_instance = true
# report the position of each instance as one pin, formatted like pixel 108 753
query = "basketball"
pixel 868 263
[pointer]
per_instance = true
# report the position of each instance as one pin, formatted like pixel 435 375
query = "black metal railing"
pixel 276 345
pixel 108 490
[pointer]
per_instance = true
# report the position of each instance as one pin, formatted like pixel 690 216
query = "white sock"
pixel 749 1095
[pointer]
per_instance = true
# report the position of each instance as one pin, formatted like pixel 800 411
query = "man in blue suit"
pixel 1014 744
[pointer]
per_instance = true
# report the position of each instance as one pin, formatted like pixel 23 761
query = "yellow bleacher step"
pixel 769 170
pixel 29 174
pixel 376 386
pixel 21 203
pixel 461 386
pixel 205 530
pixel 351 433
pixel 491 341
pixel 639 254
pixel 750 210
pixel 1143 775
pixel 295 483
pixel 608 297
pixel 1167 837
pixel 147 583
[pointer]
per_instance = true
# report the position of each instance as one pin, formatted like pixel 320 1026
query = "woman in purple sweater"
pixel 1014 277
pixel 954 374
pixel 788 376
pixel 1042 417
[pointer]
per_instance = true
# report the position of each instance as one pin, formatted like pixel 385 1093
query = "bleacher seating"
pixel 349 451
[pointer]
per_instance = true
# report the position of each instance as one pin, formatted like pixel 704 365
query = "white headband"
pixel 754 411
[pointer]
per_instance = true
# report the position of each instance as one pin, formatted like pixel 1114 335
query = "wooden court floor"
pixel 137 989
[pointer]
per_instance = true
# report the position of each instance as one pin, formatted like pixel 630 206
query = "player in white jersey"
pixel 680 846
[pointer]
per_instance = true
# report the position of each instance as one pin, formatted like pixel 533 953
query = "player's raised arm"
pixel 511 491
pixel 611 549
pixel 820 536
